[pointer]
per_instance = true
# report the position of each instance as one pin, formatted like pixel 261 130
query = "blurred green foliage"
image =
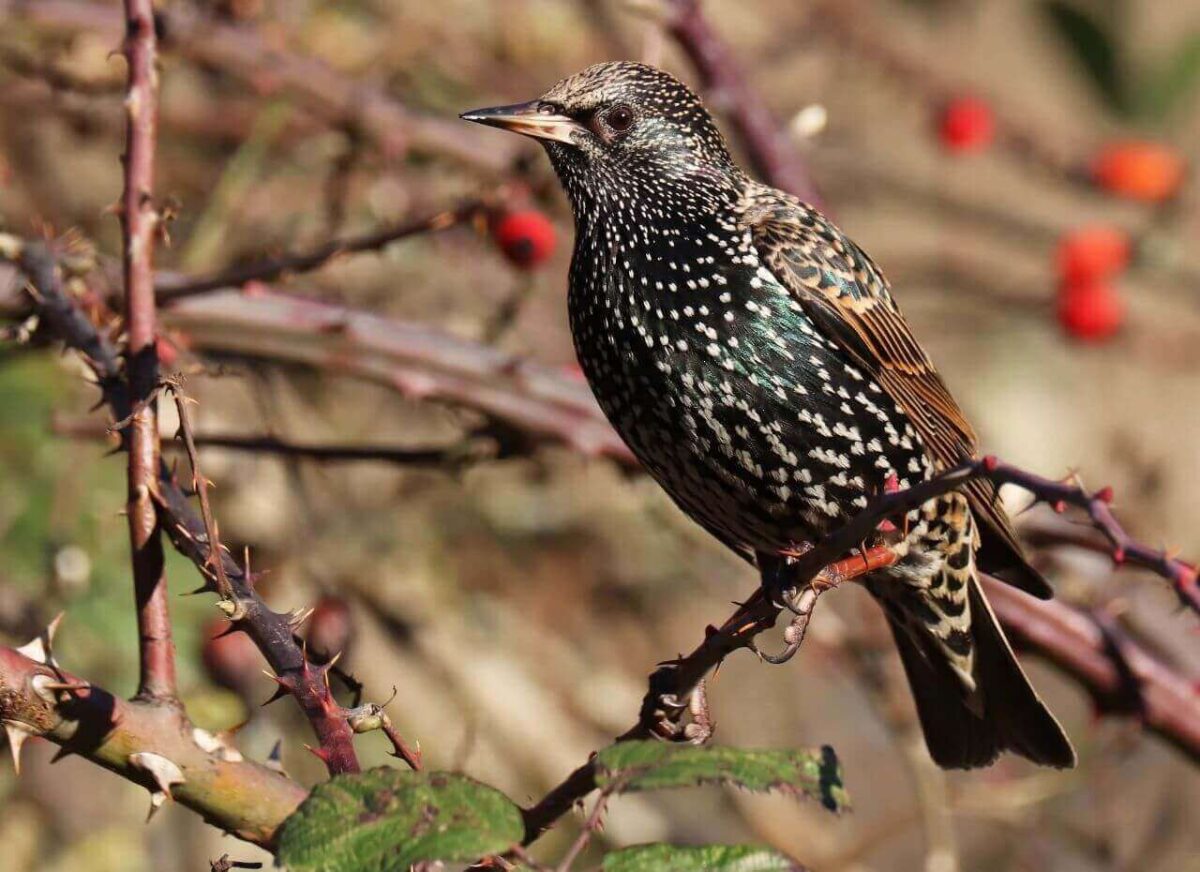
pixel 1150 91
pixel 61 494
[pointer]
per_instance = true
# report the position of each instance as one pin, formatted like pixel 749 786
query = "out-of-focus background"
pixel 517 605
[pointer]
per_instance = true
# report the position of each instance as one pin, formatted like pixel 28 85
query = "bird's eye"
pixel 619 118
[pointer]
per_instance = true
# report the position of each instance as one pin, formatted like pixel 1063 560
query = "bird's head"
pixel 618 127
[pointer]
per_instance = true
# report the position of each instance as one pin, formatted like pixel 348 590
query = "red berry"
pixel 232 661
pixel 167 352
pixel 966 124
pixel 1088 254
pixel 1091 311
pixel 526 237
pixel 330 628
pixel 1139 170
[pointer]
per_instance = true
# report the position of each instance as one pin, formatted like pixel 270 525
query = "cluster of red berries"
pixel 1132 168
pixel 1089 259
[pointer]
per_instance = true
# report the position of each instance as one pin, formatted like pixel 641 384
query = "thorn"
pixel 17 734
pixel 1059 506
pixel 164 773
pixel 280 692
pixel 297 618
pixel 320 753
pixel 47 688
pixel 1118 556
pixel 63 751
pixel 1105 494
pixel 229 631
pixel 216 746
pixel 991 463
pixel 41 648
pixel 275 758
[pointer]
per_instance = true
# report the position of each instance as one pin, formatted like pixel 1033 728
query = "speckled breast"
pixel 757 425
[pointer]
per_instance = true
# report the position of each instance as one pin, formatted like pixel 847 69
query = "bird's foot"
pixel 778 582
pixel 793 635
pixel 666 721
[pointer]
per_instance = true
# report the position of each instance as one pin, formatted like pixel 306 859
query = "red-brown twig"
pixel 1121 675
pixel 271 268
pixel 766 143
pixel 139 221
pixel 590 827
pixel 671 686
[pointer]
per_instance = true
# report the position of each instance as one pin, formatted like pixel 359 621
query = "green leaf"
pixel 387 819
pixel 706 858
pixel 653 765
pixel 1094 48
pixel 1169 87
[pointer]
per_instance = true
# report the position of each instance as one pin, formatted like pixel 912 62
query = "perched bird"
pixel 755 361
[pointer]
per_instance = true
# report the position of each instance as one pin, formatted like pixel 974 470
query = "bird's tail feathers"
pixel 967 728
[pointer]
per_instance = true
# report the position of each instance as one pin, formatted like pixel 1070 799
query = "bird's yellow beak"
pixel 528 119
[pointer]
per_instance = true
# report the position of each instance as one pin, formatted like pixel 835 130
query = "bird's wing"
pixel 847 296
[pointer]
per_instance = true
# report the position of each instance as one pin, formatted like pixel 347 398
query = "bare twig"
pixel 139 222
pixel 1122 676
pixel 671 686
pixel 269 269
pixel 480 444
pixel 1099 662
pixel 590 827
pixel 246 54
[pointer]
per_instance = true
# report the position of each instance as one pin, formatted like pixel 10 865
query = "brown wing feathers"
pixel 850 299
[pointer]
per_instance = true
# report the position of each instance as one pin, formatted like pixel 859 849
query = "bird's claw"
pixel 793 638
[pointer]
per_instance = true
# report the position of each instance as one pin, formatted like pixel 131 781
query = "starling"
pixel 755 361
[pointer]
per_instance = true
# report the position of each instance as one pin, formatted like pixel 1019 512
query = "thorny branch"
pixel 139 223
pixel 200 487
pixel 38 698
pixel 270 630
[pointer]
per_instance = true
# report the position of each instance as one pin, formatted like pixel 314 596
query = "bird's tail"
pixel 968 727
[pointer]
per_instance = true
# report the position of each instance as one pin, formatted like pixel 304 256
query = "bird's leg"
pixel 803 602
